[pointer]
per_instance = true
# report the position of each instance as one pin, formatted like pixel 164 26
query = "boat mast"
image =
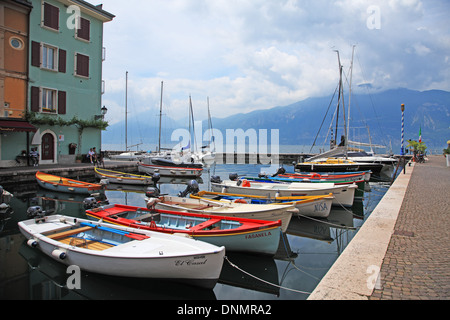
pixel 340 98
pixel 160 115
pixel 126 111
pixel 349 98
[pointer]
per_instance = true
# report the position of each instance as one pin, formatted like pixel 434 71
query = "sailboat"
pixel 337 159
pixel 171 163
pixel 128 155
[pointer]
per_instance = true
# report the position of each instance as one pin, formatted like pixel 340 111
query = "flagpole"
pixel 402 150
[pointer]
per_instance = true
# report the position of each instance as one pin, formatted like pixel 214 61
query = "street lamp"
pixel 104 111
pixel 402 150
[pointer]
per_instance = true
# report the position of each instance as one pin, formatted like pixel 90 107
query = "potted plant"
pixel 78 158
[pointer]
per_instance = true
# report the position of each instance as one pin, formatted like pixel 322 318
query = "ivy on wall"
pixel 33 118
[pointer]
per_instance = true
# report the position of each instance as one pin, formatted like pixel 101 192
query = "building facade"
pixel 15 132
pixel 64 92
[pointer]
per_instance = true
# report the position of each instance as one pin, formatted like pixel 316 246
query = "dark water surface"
pixel 306 252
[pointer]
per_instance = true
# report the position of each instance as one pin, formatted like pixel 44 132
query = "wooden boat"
pixel 238 210
pixel 120 251
pixel 328 176
pixel 61 184
pixel 343 194
pixel 183 170
pixel 236 234
pixel 337 164
pixel 311 206
pixel 122 177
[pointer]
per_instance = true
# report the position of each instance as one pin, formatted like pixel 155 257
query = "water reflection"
pixel 306 252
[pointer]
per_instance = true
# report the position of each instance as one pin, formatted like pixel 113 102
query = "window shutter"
pixel 35 54
pixel 35 99
pixel 62 61
pixel 61 102
pixel 51 16
pixel 82 65
pixel 84 31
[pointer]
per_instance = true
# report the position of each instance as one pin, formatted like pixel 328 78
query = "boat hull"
pixel 122 177
pixel 61 184
pixel 170 171
pixel 138 259
pixel 236 234
pixel 324 167
pixel 343 194
pixel 315 206
pixel 248 211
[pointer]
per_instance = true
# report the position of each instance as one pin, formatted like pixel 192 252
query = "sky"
pixel 246 55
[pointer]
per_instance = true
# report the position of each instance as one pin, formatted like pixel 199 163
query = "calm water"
pixel 306 252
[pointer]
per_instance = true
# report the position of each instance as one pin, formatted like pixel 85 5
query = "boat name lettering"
pixel 258 235
pixel 320 207
pixel 189 262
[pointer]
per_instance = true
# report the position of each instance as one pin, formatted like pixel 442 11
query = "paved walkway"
pixel 417 261
pixel 402 251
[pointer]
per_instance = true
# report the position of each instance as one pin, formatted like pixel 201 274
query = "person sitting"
pixel 34 155
pixel 91 155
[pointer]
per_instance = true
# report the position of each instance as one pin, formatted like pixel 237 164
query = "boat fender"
pixel 316 175
pixel 32 243
pixel 59 254
pixel 240 201
pixel 233 176
pixel 246 183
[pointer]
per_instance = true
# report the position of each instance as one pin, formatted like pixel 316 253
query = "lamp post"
pixel 402 150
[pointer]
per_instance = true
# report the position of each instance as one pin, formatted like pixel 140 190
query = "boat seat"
pixel 205 224
pixel 68 233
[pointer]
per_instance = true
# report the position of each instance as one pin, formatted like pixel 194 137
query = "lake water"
pixel 306 252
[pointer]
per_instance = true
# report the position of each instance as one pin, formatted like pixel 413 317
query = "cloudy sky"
pixel 256 54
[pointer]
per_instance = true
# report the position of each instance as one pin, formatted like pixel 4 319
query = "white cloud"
pixel 254 54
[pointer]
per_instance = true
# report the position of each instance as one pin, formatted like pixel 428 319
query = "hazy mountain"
pixel 299 123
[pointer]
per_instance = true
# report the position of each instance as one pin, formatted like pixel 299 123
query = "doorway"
pixel 48 147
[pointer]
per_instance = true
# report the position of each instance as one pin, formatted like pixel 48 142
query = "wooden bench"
pixel 68 233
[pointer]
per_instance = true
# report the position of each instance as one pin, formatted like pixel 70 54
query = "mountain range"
pixel 309 121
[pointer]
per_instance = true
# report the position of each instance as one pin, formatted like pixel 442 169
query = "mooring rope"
pixel 326 222
pixel 262 280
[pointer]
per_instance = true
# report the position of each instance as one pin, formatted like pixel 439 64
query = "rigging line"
pixel 328 109
pixel 262 280
pixel 370 96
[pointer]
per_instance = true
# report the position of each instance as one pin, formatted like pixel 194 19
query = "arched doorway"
pixel 48 147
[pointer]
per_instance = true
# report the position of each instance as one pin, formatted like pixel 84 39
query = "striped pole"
pixel 402 150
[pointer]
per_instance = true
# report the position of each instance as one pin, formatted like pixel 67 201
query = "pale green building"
pixel 65 87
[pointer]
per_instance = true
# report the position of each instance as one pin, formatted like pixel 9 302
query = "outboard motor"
pixel 192 187
pixel 216 179
pixel 90 203
pixel 280 170
pixel 156 177
pixel 233 176
pixel 262 175
pixel 152 192
pixel 35 212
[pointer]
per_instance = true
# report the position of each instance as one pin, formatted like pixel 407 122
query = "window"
pixel 84 32
pixel 16 43
pixel 49 57
pixel 81 65
pixel 48 100
pixel 50 16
